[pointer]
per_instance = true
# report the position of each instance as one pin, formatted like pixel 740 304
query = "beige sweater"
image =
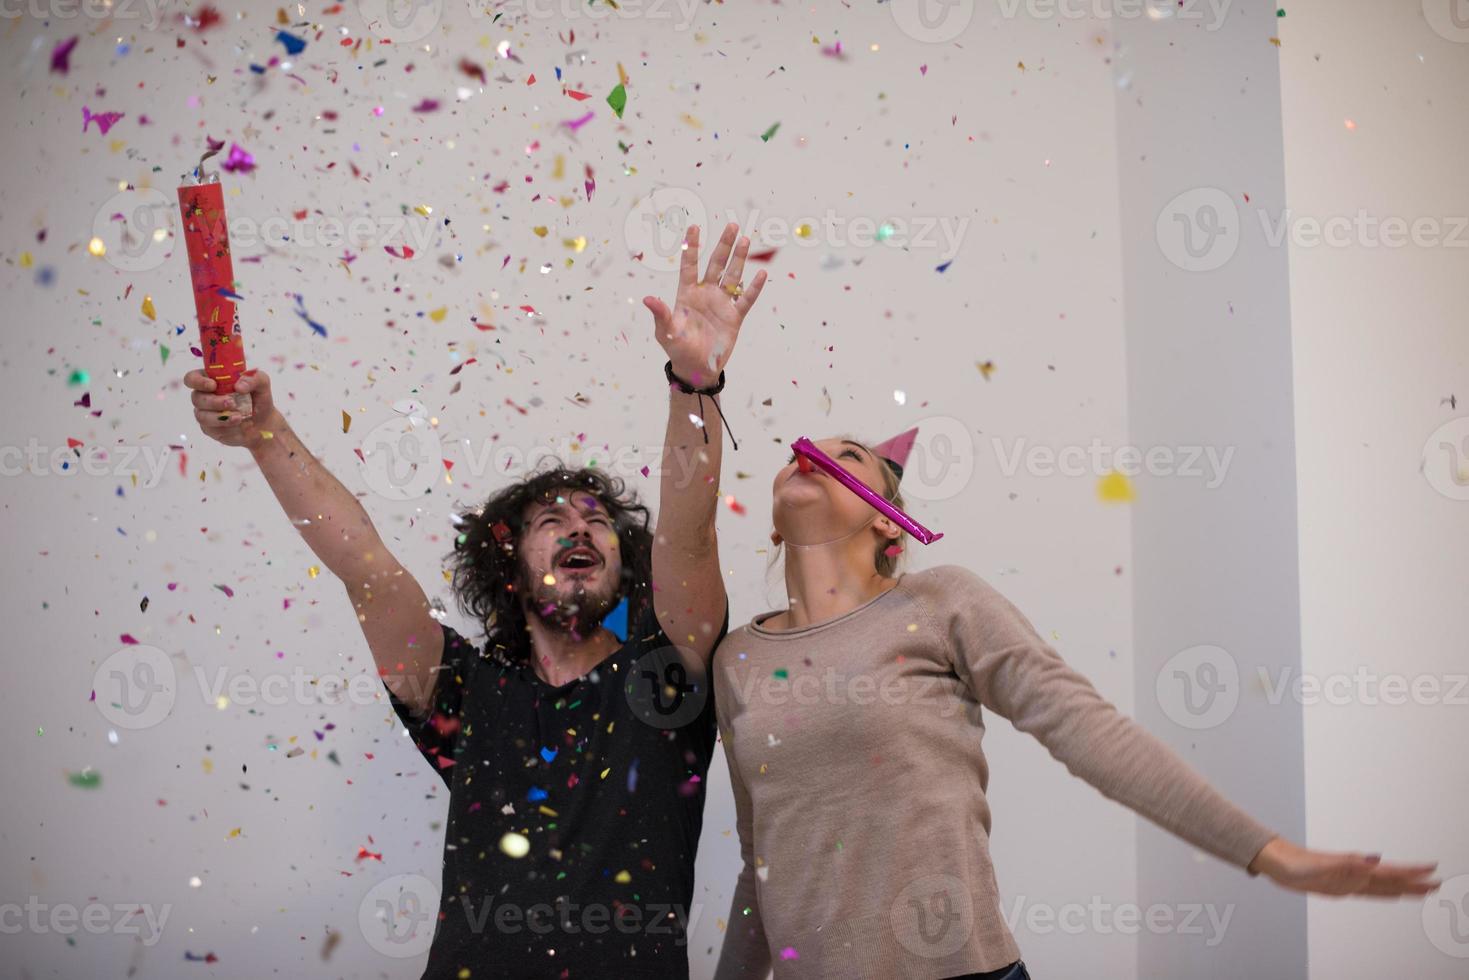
pixel 854 748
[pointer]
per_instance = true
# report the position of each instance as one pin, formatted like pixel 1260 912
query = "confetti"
pixel 316 328
pixel 617 99
pixel 1115 488
pixel 473 70
pixel 104 120
pixel 765 136
pixel 294 45
pixel 61 55
pixel 238 160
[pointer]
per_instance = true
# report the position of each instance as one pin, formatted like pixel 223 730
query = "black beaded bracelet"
pixel 689 389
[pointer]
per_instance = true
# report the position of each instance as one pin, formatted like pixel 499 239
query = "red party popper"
pixel 207 240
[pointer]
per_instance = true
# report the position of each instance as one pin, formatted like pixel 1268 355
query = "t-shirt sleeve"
pixel 436 731
pixel 705 725
pixel 1014 672
pixel 709 719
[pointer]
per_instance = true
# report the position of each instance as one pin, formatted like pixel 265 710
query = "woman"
pixel 861 807
pixel 852 723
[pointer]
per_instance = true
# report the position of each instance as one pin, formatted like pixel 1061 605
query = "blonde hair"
pixel 885 564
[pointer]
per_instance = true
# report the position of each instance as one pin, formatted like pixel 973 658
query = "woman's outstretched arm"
pixel 1013 671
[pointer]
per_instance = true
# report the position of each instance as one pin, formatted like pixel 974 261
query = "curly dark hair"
pixel 486 563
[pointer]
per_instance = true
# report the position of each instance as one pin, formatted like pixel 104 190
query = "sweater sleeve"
pixel 1012 671
pixel 745 954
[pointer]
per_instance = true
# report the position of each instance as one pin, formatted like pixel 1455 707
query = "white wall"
pixel 1214 545
pixel 1020 161
pixel 1011 139
pixel 1380 345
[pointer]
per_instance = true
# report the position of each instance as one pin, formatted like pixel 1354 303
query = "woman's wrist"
pixel 1268 860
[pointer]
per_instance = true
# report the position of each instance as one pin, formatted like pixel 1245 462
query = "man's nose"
pixel 579 528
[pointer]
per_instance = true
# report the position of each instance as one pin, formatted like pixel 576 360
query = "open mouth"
pixel 579 559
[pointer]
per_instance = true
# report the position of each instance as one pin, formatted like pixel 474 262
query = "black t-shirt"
pixel 599 782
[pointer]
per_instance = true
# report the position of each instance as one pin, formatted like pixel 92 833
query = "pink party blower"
pixel 807 454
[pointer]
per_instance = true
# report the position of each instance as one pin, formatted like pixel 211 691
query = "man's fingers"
pixel 688 263
pixel 198 381
pixel 254 380
pixel 212 403
pixel 217 420
pixel 745 300
pixel 662 320
pixel 720 255
pixel 736 270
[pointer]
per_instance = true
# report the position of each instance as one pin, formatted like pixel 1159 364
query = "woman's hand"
pixel 699 333
pixel 219 417
pixel 1340 873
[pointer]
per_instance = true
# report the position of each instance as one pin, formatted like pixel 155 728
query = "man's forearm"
pixel 332 521
pixel 688 499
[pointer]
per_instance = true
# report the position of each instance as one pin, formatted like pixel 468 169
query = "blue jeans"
pixel 1015 971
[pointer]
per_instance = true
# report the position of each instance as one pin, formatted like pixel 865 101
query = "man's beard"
pixel 577 610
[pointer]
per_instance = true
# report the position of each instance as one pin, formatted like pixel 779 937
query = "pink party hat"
pixel 896 449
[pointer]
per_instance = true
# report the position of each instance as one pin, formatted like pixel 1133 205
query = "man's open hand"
pixel 699 333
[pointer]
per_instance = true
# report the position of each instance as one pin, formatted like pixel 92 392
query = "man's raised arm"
pixel 406 641
pixel 698 335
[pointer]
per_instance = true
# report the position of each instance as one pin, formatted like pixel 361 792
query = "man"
pixel 575 760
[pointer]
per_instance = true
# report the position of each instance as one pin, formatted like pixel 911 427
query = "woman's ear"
pixel 774 537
